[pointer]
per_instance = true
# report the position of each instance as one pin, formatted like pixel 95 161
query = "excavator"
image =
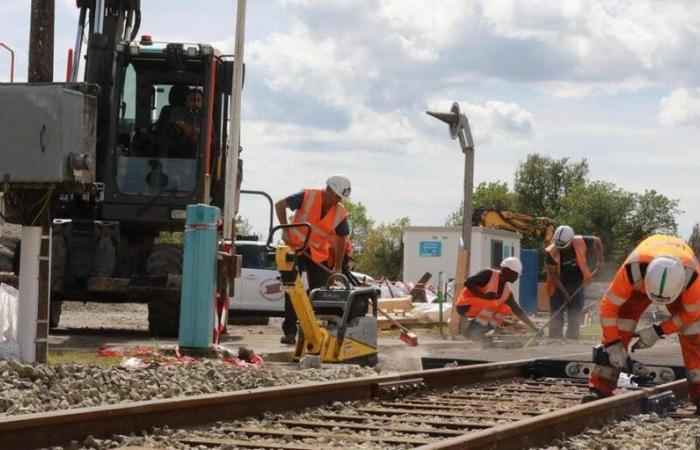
pixel 114 160
pixel 525 224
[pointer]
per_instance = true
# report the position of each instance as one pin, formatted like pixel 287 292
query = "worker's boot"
pixel 593 395
pixel 697 407
pixel 288 339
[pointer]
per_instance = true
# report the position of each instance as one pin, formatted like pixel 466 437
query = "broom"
pixel 407 336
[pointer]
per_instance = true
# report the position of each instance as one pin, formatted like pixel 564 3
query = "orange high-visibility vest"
pixel 622 288
pixel 489 307
pixel 580 249
pixel 349 251
pixel 322 228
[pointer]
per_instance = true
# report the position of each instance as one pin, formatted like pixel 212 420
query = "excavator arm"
pixel 525 224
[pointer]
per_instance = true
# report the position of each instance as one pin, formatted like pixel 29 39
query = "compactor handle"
pixel 299 250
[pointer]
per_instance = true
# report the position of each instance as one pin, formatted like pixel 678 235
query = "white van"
pixel 259 291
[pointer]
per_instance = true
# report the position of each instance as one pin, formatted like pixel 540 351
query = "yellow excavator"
pixel 334 321
pixel 525 224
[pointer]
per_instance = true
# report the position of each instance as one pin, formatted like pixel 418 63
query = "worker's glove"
pixel 617 355
pixel 647 337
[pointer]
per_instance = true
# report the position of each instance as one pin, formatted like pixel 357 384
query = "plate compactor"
pixel 335 324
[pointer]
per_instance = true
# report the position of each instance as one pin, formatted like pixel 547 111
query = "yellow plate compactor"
pixel 336 326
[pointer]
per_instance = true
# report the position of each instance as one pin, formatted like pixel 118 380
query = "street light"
pixel 458 127
pixel 12 61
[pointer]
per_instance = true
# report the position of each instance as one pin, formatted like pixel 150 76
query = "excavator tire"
pixel 164 308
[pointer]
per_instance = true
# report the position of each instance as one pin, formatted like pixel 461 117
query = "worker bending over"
pixel 487 299
pixel 664 270
pixel 567 271
pixel 320 208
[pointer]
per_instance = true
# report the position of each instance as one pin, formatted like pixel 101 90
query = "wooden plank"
pixel 339 436
pixel 435 423
pixel 445 406
pixel 355 426
pixel 246 444
pixel 429 412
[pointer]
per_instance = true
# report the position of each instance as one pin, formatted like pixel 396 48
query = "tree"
pixel 541 182
pixel 492 195
pixel 694 240
pixel 382 255
pixel 600 209
pixel 243 226
pixel 360 224
pixel 653 213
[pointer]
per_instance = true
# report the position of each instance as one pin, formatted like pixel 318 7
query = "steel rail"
pixel 543 429
pixel 55 428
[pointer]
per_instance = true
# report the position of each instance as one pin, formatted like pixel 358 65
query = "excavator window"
pixel 159 123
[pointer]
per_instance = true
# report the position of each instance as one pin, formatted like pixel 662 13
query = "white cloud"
pixel 682 107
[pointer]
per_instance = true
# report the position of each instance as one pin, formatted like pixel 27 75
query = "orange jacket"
pixel 623 288
pixel 476 304
pixel 580 249
pixel 349 250
pixel 322 228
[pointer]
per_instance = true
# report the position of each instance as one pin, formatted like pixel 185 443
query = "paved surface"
pixel 394 354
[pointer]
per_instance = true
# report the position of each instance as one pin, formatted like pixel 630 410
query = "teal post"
pixel 198 277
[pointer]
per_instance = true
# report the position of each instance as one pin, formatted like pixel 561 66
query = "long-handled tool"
pixel 557 312
pixel 407 336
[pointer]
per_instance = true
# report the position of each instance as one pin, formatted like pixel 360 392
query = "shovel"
pixel 557 312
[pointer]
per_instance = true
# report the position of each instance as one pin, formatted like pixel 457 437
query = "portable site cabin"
pixel 434 249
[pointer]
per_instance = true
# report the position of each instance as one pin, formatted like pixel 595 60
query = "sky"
pixel 342 87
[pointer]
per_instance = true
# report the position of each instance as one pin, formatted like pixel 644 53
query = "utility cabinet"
pixel 47 133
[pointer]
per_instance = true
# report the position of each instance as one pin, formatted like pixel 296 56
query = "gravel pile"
pixel 643 432
pixel 37 388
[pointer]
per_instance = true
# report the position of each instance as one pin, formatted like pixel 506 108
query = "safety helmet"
pixel 339 184
pixel 563 236
pixel 513 264
pixel 664 279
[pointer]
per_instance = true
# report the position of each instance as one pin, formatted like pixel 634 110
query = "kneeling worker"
pixel 487 299
pixel 663 270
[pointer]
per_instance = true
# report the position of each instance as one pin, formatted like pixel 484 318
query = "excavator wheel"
pixel 164 308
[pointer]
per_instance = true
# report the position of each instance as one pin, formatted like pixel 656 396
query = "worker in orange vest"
pixel 320 208
pixel 567 270
pixel 663 270
pixel 487 299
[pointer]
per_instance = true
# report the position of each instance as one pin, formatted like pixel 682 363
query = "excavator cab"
pixel 168 131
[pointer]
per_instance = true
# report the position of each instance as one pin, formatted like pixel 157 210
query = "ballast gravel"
pixel 642 432
pixel 26 388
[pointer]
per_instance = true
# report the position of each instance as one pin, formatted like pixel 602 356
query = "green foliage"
pixel 243 225
pixel 694 240
pixel 360 224
pixel 559 189
pixel 541 182
pixel 382 255
pixel 492 195
pixel 600 209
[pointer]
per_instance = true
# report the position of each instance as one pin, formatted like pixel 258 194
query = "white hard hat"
pixel 664 279
pixel 339 184
pixel 563 236
pixel 513 264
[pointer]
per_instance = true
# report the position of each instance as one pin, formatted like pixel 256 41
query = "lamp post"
pixel 458 127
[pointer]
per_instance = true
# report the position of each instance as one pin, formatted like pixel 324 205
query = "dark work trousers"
pixel 316 278
pixel 573 313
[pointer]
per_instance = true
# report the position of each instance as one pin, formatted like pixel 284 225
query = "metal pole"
pixel 230 204
pixel 468 203
pixel 12 61
pixel 41 32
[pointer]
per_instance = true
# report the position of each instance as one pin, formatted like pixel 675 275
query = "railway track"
pixel 501 405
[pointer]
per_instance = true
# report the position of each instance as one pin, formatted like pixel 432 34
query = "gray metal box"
pixel 47 133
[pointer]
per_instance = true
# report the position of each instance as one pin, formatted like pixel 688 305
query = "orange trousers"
pixel 604 378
